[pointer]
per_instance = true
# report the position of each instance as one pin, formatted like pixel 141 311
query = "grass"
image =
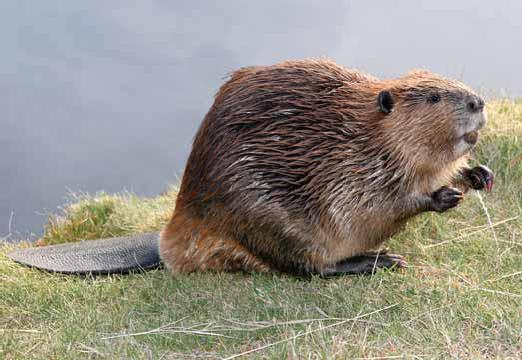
pixel 460 298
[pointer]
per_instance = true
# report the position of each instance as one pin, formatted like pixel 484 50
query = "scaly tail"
pixel 104 256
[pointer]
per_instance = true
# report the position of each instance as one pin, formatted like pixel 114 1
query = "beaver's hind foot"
pixel 366 263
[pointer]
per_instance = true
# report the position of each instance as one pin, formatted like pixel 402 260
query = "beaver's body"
pixel 302 165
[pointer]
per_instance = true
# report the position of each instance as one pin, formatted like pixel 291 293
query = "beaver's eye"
pixel 434 98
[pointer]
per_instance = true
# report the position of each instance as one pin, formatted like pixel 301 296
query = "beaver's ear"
pixel 385 100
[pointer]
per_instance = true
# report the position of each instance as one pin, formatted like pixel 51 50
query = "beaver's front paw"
pixel 480 177
pixel 446 198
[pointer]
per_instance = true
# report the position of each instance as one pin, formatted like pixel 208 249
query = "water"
pixel 108 95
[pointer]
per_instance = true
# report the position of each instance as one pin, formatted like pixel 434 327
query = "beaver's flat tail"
pixel 104 256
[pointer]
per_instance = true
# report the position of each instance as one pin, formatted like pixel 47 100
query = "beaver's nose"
pixel 474 103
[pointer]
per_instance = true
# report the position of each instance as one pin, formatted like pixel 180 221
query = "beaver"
pixel 307 167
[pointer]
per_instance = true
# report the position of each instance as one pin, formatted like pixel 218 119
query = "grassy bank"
pixel 461 296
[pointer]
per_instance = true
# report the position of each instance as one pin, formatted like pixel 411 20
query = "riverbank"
pixel 460 297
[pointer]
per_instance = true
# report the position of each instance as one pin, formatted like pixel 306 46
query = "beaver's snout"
pixel 474 103
pixel 476 115
pixel 475 119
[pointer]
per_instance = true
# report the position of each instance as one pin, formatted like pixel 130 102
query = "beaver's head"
pixel 433 119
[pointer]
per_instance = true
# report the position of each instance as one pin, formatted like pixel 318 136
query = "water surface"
pixel 107 96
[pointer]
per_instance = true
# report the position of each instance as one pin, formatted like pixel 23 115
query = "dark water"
pixel 101 95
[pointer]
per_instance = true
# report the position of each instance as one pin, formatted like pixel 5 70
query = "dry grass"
pixel 460 298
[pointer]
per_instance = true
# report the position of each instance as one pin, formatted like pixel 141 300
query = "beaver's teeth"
pixel 471 137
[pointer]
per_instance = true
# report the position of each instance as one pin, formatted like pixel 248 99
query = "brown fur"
pixel 295 168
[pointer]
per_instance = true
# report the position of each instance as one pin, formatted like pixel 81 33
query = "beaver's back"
pixel 271 132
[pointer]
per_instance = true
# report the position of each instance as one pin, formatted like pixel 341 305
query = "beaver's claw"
pixel 480 177
pixel 445 198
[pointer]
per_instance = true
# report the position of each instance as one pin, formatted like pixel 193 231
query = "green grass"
pixel 461 297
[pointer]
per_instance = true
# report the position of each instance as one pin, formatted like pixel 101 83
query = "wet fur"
pixel 295 167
